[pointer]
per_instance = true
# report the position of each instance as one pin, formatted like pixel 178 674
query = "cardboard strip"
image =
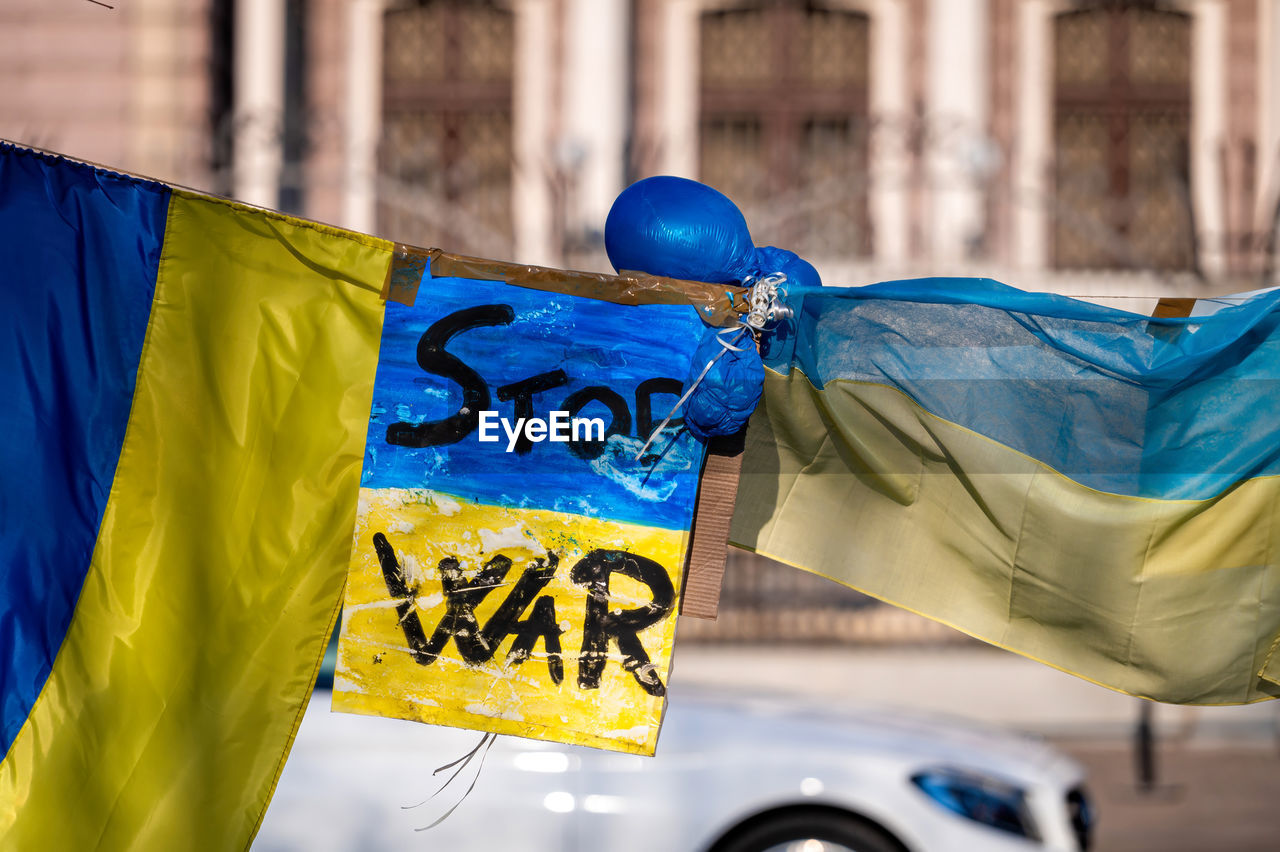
pixel 404 275
pixel 1169 307
pixel 708 547
pixel 717 304
pixel 1173 307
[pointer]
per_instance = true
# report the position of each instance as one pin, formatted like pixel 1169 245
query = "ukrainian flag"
pixel 184 406
pixel 1088 487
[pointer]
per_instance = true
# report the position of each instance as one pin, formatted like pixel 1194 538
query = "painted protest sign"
pixel 515 568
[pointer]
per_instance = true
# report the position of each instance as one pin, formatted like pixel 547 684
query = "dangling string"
pixel 482 748
pixel 727 347
pixel 765 307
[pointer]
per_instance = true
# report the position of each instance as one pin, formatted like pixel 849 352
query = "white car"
pixel 732 774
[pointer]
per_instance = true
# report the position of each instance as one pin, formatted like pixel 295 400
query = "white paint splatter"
pixel 512 536
pixel 429 602
pixel 382 603
pixel 343 684
pixel 433 393
pixel 510 715
pixel 412 571
pixel 445 506
pixel 617 463
pixel 540 316
pixel 573 505
pixel 638 734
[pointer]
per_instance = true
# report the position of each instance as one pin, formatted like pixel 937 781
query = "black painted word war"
pixel 476 397
pixel 530 616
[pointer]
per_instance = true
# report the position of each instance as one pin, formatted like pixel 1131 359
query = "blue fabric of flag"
pixel 73 322
pixel 1124 403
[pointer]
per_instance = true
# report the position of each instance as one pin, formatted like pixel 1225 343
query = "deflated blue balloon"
pixel 722 402
pixel 679 228
pixel 799 272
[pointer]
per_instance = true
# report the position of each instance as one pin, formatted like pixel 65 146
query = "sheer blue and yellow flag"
pixel 185 396
pixel 1088 487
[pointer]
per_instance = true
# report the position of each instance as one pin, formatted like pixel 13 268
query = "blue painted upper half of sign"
pixel 471 346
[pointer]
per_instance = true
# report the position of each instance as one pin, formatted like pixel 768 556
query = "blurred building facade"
pixel 1081 146
pixel 1088 147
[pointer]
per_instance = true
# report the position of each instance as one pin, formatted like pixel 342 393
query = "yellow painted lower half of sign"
pixel 454 610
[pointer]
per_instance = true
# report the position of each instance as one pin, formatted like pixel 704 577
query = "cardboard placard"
pixel 515 567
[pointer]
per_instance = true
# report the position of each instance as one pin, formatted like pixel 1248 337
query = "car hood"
pixel 768 723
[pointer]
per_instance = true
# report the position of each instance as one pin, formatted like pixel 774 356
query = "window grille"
pixel 783 122
pixel 1122 98
pixel 445 157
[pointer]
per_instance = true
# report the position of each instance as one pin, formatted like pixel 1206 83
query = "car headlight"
pixel 980 798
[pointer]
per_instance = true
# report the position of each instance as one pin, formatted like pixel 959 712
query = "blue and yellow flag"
pixel 1090 488
pixel 185 393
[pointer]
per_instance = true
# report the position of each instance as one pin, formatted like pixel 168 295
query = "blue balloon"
pixel 799 272
pixel 679 228
pixel 722 402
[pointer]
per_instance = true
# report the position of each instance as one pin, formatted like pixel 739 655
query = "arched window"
pixel 445 157
pixel 1122 104
pixel 783 121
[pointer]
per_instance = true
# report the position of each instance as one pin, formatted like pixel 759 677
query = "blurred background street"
pixel 1214 773
pixel 1215 776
